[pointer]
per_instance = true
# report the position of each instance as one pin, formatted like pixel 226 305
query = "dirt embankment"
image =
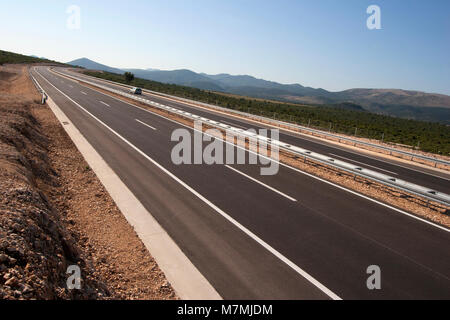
pixel 54 212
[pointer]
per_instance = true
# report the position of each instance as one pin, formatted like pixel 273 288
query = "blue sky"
pixel 318 43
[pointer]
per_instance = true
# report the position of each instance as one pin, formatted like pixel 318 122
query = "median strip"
pixel 368 189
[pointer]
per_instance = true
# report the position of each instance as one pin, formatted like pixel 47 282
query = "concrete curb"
pixel 187 281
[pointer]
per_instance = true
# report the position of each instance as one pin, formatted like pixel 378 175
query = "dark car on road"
pixel 136 90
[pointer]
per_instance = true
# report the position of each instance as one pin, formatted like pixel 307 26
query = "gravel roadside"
pixel 54 212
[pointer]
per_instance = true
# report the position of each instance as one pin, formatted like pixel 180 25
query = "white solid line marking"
pixel 187 280
pixel 84 93
pixel 105 103
pixel 296 268
pixel 292 168
pixel 365 164
pixel 145 124
pixel 263 184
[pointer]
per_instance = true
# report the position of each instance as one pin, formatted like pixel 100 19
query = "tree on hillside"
pixel 129 77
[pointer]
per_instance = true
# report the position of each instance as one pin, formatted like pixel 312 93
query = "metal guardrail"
pixel 298 127
pixel 393 182
pixel 316 131
pixel 39 88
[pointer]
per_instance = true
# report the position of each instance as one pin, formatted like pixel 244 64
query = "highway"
pixel 287 236
pixel 410 172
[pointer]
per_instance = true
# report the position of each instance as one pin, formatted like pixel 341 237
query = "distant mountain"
pixel 231 82
pixel 89 64
pixel 400 103
pixel 395 96
pixel 181 77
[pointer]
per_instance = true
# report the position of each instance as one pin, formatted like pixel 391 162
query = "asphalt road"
pixel 430 178
pixel 287 236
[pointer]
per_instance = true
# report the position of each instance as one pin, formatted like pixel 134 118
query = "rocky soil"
pixel 54 212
